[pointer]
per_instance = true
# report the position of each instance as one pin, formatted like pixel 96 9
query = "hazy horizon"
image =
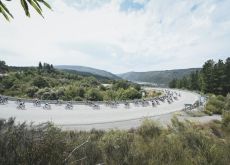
pixel 119 35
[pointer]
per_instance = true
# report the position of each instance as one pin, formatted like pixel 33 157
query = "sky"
pixel 118 35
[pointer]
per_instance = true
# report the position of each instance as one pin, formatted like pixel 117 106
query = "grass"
pixel 196 113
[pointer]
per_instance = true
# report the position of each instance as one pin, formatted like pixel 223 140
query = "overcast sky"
pixel 119 35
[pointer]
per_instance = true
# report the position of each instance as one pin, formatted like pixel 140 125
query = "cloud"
pixel 140 35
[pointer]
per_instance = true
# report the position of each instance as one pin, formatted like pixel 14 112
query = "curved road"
pixel 83 117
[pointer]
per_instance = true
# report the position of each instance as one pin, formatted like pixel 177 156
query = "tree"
pixel 201 82
pixel 227 75
pixel 121 84
pixel 219 76
pixel 195 80
pixel 25 4
pixel 40 66
pixel 173 83
pixel 207 71
pixel 3 67
pixel 214 78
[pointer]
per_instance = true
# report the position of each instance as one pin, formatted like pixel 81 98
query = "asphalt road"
pixel 83 117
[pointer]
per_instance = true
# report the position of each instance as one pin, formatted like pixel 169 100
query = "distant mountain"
pixel 87 74
pixel 88 70
pixel 158 77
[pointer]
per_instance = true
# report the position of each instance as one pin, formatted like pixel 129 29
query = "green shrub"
pixel 182 143
pixel 78 98
pixel 115 147
pixel 94 95
pixel 149 129
pixel 226 120
pixel 32 91
pixel 215 104
pixel 227 103
pixel 208 112
pixel 40 82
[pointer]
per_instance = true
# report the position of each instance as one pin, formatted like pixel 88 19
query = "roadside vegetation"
pixel 214 78
pixel 45 82
pixel 180 143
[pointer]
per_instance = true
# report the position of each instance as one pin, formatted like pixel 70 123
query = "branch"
pixel 71 153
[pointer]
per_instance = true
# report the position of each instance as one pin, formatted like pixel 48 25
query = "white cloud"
pixel 165 35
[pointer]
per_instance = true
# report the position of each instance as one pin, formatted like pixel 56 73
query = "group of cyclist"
pixel 3 99
pixel 169 97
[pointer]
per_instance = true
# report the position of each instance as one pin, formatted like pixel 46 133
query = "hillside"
pixel 85 70
pixel 158 77
pixel 87 74
pixel 47 83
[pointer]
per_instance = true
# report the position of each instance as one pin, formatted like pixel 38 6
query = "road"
pixel 83 117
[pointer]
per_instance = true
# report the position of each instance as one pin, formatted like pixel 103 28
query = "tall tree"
pixel 173 83
pixel 213 78
pixel 40 66
pixel 219 76
pixel 3 67
pixel 207 72
pixel 227 75
pixel 195 80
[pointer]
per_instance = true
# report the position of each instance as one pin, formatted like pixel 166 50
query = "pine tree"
pixel 207 72
pixel 227 76
pixel 194 80
pixel 40 66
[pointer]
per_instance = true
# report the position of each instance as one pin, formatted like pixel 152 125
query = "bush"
pixel 31 91
pixel 80 92
pixel 226 120
pixel 40 82
pixel 208 112
pixel 21 144
pixel 94 95
pixel 227 103
pixel 115 147
pixel 182 143
pixel 215 104
pixel 129 94
pixel 78 98
pixel 149 129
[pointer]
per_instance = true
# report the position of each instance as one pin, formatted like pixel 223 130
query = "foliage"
pixel 180 143
pixel 25 4
pixel 128 94
pixel 149 129
pixel 212 78
pixel 45 82
pixel 227 103
pixel 40 82
pixel 94 95
pixel 226 120
pixel 3 67
pixel 115 146
pixel 217 104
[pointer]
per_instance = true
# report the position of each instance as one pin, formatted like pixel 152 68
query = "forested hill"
pixel 158 77
pixel 47 83
pixel 88 70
